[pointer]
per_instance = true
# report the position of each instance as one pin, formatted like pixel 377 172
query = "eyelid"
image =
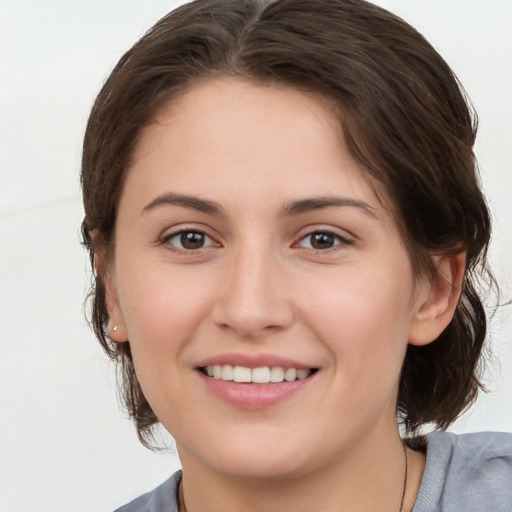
pixel 344 238
pixel 171 233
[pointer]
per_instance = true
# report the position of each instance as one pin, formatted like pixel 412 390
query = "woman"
pixel 283 212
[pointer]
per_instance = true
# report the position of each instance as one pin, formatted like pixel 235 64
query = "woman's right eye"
pixel 188 240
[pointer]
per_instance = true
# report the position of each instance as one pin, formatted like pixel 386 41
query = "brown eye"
pixel 189 240
pixel 322 240
pixel 192 240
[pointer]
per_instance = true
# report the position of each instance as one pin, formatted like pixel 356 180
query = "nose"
pixel 253 297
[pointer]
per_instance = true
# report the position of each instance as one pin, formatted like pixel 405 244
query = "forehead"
pixel 225 133
pixel 231 115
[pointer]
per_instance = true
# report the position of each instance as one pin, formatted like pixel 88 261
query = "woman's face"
pixel 247 236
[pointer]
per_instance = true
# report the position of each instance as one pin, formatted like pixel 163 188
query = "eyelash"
pixel 178 234
pixel 341 241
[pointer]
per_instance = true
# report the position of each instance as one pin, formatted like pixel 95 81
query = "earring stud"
pixel 114 329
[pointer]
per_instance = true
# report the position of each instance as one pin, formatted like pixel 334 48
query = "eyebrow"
pixel 185 201
pixel 290 209
pixel 318 203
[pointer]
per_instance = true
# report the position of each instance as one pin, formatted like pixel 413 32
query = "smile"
pixel 261 375
pixel 255 386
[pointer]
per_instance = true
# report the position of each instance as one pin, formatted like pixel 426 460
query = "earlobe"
pixel 117 333
pixel 438 299
pixel 117 329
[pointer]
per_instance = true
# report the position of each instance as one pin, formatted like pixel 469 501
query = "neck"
pixel 368 477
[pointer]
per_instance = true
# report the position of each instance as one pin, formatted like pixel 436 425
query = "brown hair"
pixel 404 116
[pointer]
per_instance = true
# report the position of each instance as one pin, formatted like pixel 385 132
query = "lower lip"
pixel 254 396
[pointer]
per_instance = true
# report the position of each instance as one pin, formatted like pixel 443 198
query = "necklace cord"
pixel 404 487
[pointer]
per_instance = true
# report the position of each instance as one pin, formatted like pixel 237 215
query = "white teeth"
pixel 302 373
pixel 290 374
pixel 227 372
pixel 277 374
pixel 217 371
pixel 241 374
pixel 261 375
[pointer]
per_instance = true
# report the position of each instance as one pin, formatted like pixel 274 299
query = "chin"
pixel 260 466
pixel 258 457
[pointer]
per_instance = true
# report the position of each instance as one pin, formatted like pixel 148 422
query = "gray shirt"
pixel 466 473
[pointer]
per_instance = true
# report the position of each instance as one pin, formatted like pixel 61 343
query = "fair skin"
pixel 290 260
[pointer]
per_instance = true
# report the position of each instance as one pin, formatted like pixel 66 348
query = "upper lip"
pixel 253 361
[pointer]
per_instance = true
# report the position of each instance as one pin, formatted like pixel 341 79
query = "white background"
pixel 63 444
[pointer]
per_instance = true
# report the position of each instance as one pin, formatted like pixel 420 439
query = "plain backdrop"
pixel 64 445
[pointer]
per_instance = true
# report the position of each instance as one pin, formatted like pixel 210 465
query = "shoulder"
pixel 162 499
pixel 467 473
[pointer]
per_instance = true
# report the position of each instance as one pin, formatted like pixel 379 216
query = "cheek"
pixel 362 313
pixel 164 312
pixel 363 322
pixel 161 307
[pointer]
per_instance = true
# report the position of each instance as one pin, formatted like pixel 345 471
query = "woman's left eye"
pixel 189 240
pixel 322 240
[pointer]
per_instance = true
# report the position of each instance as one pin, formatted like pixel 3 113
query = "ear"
pixel 437 299
pixel 117 328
